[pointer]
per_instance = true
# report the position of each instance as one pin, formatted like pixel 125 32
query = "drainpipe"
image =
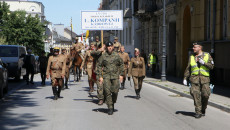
pixel 213 29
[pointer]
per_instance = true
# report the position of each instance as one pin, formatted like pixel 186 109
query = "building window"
pixel 130 35
pixel 207 21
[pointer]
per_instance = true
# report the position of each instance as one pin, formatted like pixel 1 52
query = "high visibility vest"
pixel 153 59
pixel 195 70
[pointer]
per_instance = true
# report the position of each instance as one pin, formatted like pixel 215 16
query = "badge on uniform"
pixel 212 62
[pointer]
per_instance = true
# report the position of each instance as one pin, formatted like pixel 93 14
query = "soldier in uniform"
pixel 78 47
pixel 88 60
pixel 109 69
pixel 96 55
pixel 125 57
pixel 43 65
pixel 198 71
pixel 117 45
pixel 97 43
pixel 137 71
pixel 56 69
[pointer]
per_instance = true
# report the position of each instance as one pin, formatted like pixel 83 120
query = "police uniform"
pixel 137 71
pixel 125 57
pixel 88 60
pixel 153 59
pixel 199 76
pixel 56 69
pixel 110 67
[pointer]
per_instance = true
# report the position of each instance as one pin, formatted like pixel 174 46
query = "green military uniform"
pixel 200 80
pixel 110 67
pixel 96 55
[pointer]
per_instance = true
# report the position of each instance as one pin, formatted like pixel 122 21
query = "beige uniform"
pixel 117 46
pixel 125 57
pixel 88 60
pixel 69 62
pixel 137 71
pixel 56 68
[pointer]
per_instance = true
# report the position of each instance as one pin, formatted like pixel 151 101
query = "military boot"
pixel 138 96
pixel 110 111
pixel 100 102
pixel 197 116
pixel 203 112
pixel 59 91
pixel 122 86
pixel 66 85
pixel 55 93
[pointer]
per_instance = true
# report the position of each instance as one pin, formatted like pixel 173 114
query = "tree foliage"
pixel 19 28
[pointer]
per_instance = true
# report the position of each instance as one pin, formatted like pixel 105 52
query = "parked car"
pixel 3 79
pixel 13 56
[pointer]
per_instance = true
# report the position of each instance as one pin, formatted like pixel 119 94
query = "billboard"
pixel 102 20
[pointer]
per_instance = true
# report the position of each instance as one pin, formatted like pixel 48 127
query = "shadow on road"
pixel 12 113
pixel 129 96
pixel 103 110
pixel 192 114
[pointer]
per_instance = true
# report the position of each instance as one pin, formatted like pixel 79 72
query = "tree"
pixel 4 11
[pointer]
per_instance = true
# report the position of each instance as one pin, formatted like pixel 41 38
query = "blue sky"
pixel 61 11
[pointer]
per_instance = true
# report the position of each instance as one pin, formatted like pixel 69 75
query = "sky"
pixel 61 11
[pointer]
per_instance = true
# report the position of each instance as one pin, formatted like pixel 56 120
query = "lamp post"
pixel 163 73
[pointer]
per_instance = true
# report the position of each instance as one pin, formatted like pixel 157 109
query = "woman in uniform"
pixel 137 71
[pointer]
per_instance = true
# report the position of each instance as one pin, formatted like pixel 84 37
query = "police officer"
pixel 110 69
pixel 117 45
pixel 125 57
pixel 30 63
pixel 198 71
pixel 56 69
pixel 153 59
pixel 88 60
pixel 137 71
pixel 96 55
pixel 43 65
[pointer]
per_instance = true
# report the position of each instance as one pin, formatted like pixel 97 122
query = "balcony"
pixel 144 9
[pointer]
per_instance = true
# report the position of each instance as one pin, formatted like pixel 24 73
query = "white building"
pixel 31 7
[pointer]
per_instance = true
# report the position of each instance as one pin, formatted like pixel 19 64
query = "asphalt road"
pixel 32 107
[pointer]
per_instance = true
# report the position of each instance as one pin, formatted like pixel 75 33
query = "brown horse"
pixel 77 61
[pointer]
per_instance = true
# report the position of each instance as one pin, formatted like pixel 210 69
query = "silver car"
pixel 13 56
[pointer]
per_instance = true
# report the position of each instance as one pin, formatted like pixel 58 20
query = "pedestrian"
pixel 96 54
pixel 29 64
pixel 117 45
pixel 198 71
pixel 88 61
pixel 125 57
pixel 43 65
pixel 152 63
pixel 110 69
pixel 56 70
pixel 137 71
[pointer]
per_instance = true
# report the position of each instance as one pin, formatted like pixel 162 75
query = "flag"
pixel 82 37
pixel 71 25
pixel 87 34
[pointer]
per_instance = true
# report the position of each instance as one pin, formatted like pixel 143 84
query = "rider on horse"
pixel 78 47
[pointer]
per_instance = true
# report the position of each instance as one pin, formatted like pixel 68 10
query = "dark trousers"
pixel 30 70
pixel 43 74
pixel 153 69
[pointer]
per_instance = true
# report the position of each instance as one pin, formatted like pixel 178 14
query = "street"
pixel 33 107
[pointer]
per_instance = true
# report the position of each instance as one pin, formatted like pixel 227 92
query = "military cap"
pixel 97 37
pixel 115 38
pixel 56 48
pixel 109 44
pixel 197 43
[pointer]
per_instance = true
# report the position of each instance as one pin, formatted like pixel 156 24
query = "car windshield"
pixel 8 51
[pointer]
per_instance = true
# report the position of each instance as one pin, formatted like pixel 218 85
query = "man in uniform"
pixel 153 59
pixel 78 47
pixel 97 43
pixel 117 45
pixel 125 57
pixel 96 55
pixel 43 65
pixel 88 60
pixel 56 69
pixel 198 71
pixel 109 69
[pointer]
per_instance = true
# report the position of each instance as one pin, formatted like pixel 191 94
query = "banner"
pixel 102 20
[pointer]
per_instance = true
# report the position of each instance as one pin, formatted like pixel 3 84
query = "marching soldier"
pixel 110 69
pixel 117 45
pixel 198 71
pixel 56 69
pixel 137 71
pixel 96 55
pixel 88 60
pixel 125 57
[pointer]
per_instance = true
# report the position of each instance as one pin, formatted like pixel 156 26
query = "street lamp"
pixel 163 73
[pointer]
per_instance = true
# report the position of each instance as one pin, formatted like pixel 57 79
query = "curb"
pixel 210 103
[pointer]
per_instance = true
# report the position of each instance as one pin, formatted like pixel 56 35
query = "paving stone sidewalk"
pixel 216 100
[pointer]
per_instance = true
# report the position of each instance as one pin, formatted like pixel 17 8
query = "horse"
pixel 77 61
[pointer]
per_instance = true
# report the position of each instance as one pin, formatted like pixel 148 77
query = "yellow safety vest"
pixel 153 59
pixel 195 70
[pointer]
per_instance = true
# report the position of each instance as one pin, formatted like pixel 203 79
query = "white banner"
pixel 102 20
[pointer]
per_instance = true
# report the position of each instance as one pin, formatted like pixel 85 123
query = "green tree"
pixel 4 11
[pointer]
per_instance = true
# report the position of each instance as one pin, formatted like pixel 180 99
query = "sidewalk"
pixel 220 98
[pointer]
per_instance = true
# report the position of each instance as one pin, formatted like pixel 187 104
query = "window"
pixel 225 18
pixel 207 20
